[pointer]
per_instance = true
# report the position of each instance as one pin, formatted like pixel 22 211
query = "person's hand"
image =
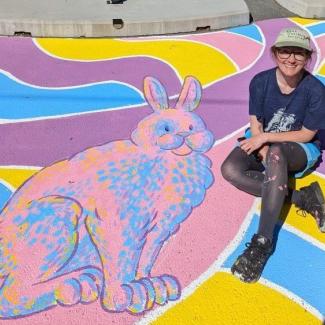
pixel 251 144
pixel 262 152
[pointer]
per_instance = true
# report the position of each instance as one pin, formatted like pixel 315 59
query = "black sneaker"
pixel 312 201
pixel 249 265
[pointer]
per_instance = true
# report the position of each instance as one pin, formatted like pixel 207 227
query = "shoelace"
pixel 301 212
pixel 254 251
pixel 307 207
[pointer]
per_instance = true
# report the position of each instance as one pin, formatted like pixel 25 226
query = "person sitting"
pixel 286 108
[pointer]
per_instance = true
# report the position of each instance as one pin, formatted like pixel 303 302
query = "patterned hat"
pixel 293 37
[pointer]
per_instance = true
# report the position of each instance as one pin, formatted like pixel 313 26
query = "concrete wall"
pixel 59 257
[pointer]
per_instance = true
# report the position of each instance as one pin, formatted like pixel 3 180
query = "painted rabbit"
pixel 93 225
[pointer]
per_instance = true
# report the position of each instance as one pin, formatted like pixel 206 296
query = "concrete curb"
pixel 132 18
pixel 305 8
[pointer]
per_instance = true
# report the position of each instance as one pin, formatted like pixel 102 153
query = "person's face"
pixel 291 60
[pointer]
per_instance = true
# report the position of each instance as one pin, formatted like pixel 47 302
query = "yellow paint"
pixel 321 71
pixel 14 176
pixel 305 21
pixel 224 300
pixel 308 224
pixel 12 294
pixel 187 58
pixel 30 304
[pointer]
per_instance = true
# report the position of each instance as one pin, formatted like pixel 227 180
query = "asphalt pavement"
pixel 267 9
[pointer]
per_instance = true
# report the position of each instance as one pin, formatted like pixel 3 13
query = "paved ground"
pixel 261 10
pixel 59 97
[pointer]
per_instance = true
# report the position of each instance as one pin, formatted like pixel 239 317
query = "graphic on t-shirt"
pixel 281 121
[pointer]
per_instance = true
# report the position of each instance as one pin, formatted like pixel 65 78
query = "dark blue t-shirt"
pixel 278 112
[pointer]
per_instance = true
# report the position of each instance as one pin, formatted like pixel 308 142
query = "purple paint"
pixel 42 142
pixel 24 60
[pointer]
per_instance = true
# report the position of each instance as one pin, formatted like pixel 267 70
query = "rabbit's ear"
pixel 189 98
pixel 155 94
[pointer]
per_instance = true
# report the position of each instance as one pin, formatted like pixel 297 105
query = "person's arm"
pixel 255 125
pixel 303 135
pixel 259 139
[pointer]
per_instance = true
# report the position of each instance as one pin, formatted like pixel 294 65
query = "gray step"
pixel 97 18
pixel 305 8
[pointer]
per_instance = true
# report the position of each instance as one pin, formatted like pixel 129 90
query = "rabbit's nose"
pixel 183 134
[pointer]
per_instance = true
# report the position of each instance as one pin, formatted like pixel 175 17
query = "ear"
pixel 155 93
pixel 189 98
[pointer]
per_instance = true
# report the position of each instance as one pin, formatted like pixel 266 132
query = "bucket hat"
pixel 293 37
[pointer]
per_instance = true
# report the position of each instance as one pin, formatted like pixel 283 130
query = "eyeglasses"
pixel 286 53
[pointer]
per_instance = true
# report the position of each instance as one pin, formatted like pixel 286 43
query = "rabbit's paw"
pixel 117 298
pixel 166 288
pixel 68 292
pixel 172 285
pixel 91 283
pixel 143 296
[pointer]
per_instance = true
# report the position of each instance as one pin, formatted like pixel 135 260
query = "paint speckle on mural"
pixel 100 218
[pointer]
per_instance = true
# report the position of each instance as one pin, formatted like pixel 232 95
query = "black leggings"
pixel 247 173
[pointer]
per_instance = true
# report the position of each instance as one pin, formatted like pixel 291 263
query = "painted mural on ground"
pixel 69 254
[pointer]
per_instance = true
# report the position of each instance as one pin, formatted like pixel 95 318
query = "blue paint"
pixel 294 262
pixel 5 194
pixel 189 171
pixel 18 101
pixel 175 180
pixel 32 242
pixel 51 256
pixel 17 219
pixel 250 31
pixel 39 229
pixel 321 78
pixel 317 29
pixel 57 233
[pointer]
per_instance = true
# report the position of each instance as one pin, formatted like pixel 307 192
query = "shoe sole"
pixel 320 197
pixel 243 279
pixel 240 276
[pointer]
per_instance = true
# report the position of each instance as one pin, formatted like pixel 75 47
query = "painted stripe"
pixel 250 31
pixel 298 300
pixel 304 21
pixel 293 262
pixel 14 177
pixel 19 101
pixel 191 64
pixel 223 299
pixel 5 193
pixel 230 45
pixel 321 78
pixel 20 167
pixel 238 132
pixel 317 29
pixel 27 62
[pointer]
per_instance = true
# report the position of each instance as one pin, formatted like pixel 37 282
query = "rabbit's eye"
pixel 191 127
pixel 167 129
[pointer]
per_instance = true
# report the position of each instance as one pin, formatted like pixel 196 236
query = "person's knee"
pixel 229 171
pixel 275 153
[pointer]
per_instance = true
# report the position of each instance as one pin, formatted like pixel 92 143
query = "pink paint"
pixel 90 197
pixel 270 179
pixel 197 245
pixel 321 44
pixel 211 227
pixel 242 50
